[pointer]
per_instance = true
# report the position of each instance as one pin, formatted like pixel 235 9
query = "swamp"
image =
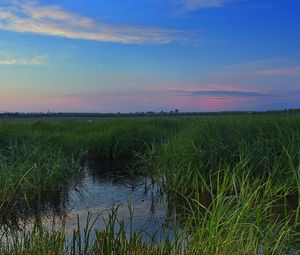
pixel 224 184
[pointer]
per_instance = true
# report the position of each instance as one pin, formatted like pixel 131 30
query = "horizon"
pixel 107 57
pixel 162 112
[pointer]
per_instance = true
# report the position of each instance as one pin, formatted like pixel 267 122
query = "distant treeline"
pixel 136 114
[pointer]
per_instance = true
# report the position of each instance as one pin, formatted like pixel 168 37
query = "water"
pixel 100 188
pixel 105 187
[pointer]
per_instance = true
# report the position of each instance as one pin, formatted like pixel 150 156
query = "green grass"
pixel 261 145
pixel 110 139
pixel 40 156
pixel 27 170
pixel 230 180
pixel 116 238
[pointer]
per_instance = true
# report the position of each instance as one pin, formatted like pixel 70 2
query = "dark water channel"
pixel 99 188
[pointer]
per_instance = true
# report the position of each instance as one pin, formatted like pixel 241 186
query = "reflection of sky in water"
pixel 103 188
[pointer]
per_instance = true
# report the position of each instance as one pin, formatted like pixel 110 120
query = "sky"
pixel 149 55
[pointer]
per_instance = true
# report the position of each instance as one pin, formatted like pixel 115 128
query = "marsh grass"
pixel 229 179
pixel 116 238
pixel 54 151
pixel 27 170
pixel 110 139
pixel 239 223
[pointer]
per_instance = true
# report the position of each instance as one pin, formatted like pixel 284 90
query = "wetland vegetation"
pixel 231 184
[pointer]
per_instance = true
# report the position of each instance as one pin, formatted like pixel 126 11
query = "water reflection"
pixel 98 188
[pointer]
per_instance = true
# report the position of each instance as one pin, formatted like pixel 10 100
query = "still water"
pixel 98 189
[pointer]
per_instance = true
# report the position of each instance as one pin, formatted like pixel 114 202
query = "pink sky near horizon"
pixel 157 99
pixel 149 55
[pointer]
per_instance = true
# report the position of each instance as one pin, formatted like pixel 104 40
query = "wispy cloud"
pixel 28 16
pixel 291 71
pixel 259 63
pixel 257 72
pixel 205 97
pixel 221 93
pixel 35 60
pixel 159 97
pixel 192 5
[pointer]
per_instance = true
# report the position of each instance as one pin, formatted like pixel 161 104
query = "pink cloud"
pixel 209 98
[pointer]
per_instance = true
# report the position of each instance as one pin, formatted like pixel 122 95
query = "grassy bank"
pixel 233 181
pixel 41 156
pixel 264 147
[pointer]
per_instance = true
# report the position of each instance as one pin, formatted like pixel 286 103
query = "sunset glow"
pixel 127 56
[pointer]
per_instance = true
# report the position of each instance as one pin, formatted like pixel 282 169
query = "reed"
pixel 54 151
pixel 228 179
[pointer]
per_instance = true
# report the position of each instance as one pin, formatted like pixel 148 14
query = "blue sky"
pixel 127 56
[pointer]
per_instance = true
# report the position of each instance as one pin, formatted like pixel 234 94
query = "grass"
pixel 111 139
pixel 43 155
pixel 116 238
pixel 266 147
pixel 233 181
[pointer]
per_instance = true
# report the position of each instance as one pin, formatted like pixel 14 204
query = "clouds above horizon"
pixel 28 16
pixel 11 60
pixel 289 71
pixel 213 97
pixel 201 97
pixel 222 92
pixel 193 55
pixel 211 91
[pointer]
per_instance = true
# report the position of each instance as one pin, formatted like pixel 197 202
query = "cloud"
pixel 159 97
pixel 257 72
pixel 167 97
pixel 291 71
pixel 35 60
pixel 199 4
pixel 192 5
pixel 259 63
pixel 28 16
pixel 221 93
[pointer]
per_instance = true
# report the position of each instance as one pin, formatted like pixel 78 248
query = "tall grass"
pixel 28 169
pixel 237 223
pixel 53 151
pixel 233 182
pixel 111 139
pixel 264 146
pixel 116 238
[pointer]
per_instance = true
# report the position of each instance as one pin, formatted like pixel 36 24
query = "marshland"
pixel 226 184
